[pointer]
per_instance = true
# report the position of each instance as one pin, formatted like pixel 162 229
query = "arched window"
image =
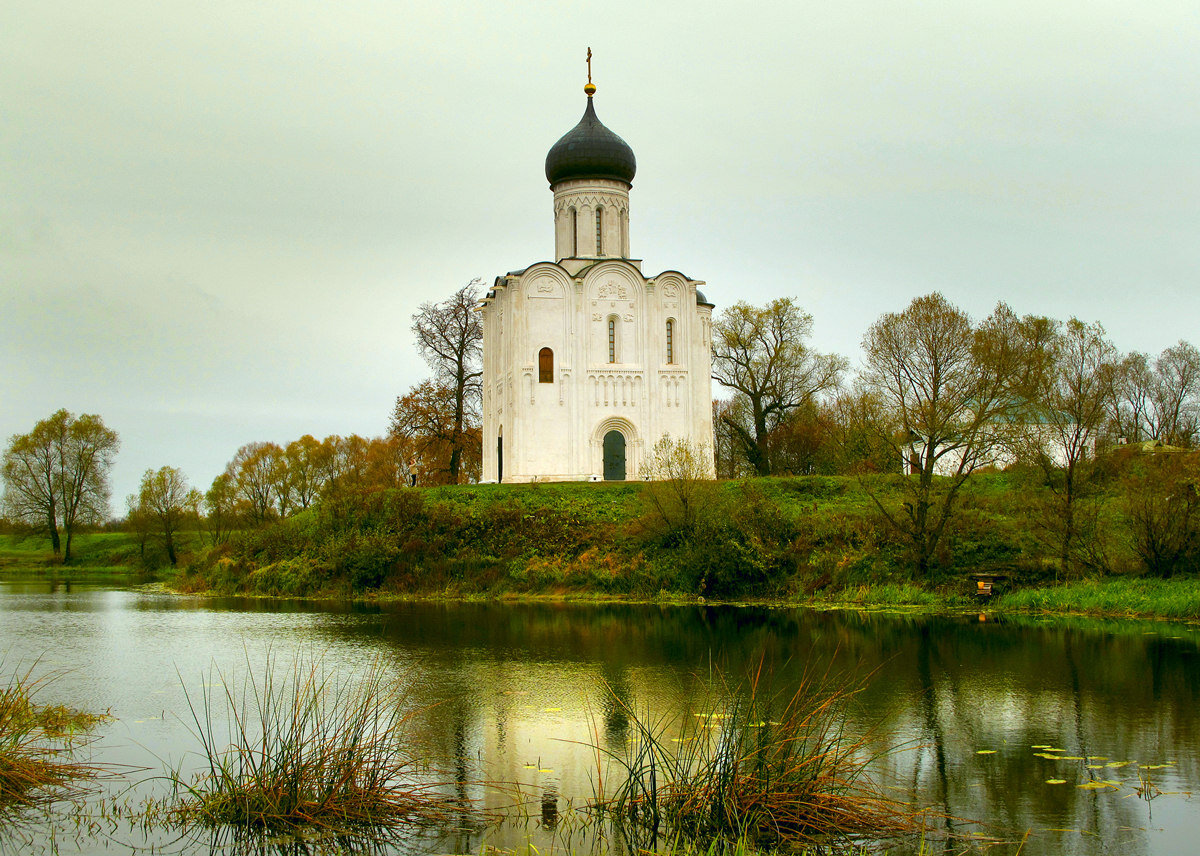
pixel 545 366
pixel 599 231
pixel 574 233
pixel 612 338
pixel 670 340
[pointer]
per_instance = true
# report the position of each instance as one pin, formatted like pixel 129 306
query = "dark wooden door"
pixel 614 456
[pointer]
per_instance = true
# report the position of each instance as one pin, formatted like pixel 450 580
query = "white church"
pixel 588 362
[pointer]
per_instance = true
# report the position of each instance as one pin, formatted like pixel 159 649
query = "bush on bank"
pixel 791 538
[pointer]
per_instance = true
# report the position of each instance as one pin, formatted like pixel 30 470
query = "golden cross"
pixel 589 63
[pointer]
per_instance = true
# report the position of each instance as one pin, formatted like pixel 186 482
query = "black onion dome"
pixel 590 150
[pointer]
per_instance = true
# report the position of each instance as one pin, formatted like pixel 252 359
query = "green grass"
pixel 1117 596
pixel 89 550
pixel 888 594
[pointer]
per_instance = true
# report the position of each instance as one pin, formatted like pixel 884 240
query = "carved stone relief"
pixel 611 289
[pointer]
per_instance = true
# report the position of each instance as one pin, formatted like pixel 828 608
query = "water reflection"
pixel 517 693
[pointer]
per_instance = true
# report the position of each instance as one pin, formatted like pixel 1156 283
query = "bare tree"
pixel 943 392
pixel 1175 395
pixel 763 356
pixel 1160 402
pixel 56 476
pixel 1068 410
pixel 1129 396
pixel 450 339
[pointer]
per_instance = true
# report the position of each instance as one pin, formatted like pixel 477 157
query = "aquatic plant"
pixel 37 744
pixel 305 749
pixel 758 769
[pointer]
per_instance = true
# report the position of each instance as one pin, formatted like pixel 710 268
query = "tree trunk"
pixel 67 549
pixel 762 454
pixel 52 525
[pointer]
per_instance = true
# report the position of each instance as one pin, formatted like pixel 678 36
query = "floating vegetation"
pixel 38 743
pixel 777 771
pixel 1097 785
pixel 306 752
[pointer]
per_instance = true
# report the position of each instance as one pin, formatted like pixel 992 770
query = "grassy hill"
pixel 778 537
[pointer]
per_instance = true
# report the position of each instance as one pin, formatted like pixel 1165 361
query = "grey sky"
pixel 216 219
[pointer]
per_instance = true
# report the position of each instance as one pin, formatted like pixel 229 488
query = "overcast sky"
pixel 216 219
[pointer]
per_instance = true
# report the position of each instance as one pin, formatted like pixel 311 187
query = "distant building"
pixel 586 361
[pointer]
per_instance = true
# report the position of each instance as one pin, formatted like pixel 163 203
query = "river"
pixel 960 708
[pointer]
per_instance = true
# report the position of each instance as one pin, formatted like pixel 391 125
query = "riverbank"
pixel 812 541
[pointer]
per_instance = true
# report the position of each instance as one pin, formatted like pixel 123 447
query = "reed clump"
pixel 306 750
pixel 37 744
pixel 758 769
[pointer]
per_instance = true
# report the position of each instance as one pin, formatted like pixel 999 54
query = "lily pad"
pixel 1056 781
pixel 985 751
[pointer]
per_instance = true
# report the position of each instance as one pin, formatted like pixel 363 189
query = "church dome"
pixel 590 150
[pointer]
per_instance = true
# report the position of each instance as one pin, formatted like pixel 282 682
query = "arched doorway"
pixel 614 456
pixel 500 456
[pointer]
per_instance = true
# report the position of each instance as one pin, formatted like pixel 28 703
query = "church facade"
pixel 588 362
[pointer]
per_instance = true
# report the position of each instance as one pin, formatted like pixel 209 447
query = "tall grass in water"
pixel 763 769
pixel 305 750
pixel 36 744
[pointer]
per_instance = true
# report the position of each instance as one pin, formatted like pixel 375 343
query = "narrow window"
pixel 670 341
pixel 599 230
pixel 545 366
pixel 612 339
pixel 574 233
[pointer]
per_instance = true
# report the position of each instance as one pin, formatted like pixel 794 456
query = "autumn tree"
pixel 56 476
pixel 763 356
pixel 425 420
pixel 449 337
pixel 221 508
pixel 305 463
pixel 256 473
pixel 388 462
pixel 943 392
pixel 168 502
